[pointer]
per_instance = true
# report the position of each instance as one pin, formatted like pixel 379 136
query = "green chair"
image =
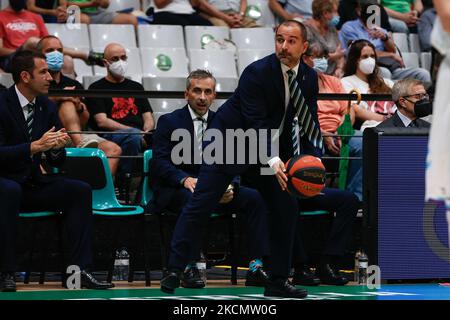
pixel 91 166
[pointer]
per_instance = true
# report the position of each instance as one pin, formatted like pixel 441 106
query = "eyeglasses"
pixel 418 96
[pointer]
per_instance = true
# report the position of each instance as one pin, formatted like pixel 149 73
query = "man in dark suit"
pixel 267 98
pixel 412 101
pixel 173 183
pixel 28 125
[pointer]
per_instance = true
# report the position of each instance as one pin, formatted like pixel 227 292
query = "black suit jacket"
pixel 16 162
pixel 395 121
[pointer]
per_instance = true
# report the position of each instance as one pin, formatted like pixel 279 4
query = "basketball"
pixel 306 176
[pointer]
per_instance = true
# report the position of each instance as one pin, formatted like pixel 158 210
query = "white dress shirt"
pixel 24 102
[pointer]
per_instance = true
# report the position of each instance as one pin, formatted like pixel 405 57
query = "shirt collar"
pixel 194 115
pixel 406 121
pixel 22 100
pixel 285 68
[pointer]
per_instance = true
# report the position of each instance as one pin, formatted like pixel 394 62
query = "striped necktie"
pixel 199 134
pixel 302 117
pixel 30 119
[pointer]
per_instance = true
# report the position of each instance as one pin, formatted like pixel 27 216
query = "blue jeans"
pixel 131 145
pixel 354 176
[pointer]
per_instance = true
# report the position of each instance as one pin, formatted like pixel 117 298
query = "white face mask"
pixel 118 68
pixel 367 65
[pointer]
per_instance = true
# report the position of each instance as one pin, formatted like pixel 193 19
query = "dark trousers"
pixel 210 187
pixel 247 202
pixel 345 204
pixel 180 19
pixel 73 198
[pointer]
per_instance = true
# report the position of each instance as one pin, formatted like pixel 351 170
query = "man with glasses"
pixel 120 114
pixel 412 103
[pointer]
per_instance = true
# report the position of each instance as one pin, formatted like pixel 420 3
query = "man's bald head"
pixel 113 49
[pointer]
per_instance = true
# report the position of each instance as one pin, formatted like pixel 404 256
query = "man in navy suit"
pixel 28 124
pixel 262 101
pixel 173 183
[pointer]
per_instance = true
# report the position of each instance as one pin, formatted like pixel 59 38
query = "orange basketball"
pixel 306 176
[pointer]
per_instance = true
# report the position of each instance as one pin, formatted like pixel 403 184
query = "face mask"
pixel 423 108
pixel 18 5
pixel 54 60
pixel 118 68
pixel 367 65
pixel 321 65
pixel 335 21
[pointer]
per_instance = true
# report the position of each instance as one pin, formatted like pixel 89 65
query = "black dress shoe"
pixel 305 277
pixel 328 275
pixel 191 278
pixel 89 282
pixel 257 278
pixel 283 288
pixel 7 282
pixel 170 282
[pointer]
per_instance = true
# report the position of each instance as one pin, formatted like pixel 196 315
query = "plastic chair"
pixel 164 62
pixel 6 79
pixel 246 57
pixel 411 59
pixel 253 38
pixel 401 41
pixel 266 18
pixel 81 68
pixel 70 37
pixel 426 60
pixel 103 34
pixel 117 5
pixel 414 43
pixel 160 36
pixel 91 166
pixel 198 36
pixel 134 65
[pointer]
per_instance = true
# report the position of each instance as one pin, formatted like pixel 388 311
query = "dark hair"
pixel 319 7
pixel 23 60
pixel 376 82
pixel 199 74
pixel 40 44
pixel 300 25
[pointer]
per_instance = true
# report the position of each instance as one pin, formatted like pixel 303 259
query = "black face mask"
pixel 18 5
pixel 423 108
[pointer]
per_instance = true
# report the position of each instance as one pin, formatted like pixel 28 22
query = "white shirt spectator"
pixel 176 6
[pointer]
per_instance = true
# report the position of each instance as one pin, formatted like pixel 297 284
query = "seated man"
pixel 180 12
pixel 52 13
pixel 71 110
pixel 28 125
pixel 403 14
pixel 173 184
pixel 412 102
pixel 292 9
pixel 365 28
pixel 122 114
pixel 96 12
pixel 227 13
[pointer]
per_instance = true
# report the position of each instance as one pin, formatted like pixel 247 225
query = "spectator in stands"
pixel 29 127
pixel 362 74
pixel 176 12
pixel 72 111
pixel 322 27
pixel 120 114
pixel 403 14
pixel 366 28
pixel 425 25
pixel 331 115
pixel 292 9
pixel 227 13
pixel 97 13
pixel 347 12
pixel 174 184
pixel 408 94
pixel 48 10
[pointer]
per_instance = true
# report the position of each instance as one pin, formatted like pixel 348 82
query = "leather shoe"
pixel 191 278
pixel 331 276
pixel 7 282
pixel 257 278
pixel 170 282
pixel 305 277
pixel 283 288
pixel 89 282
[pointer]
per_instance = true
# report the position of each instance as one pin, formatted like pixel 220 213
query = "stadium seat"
pixel 266 18
pixel 401 41
pixel 81 68
pixel 254 38
pixel 160 36
pixel 88 80
pixel 4 4
pixel 164 62
pixel 217 104
pixel 103 34
pixel 134 65
pixel 198 36
pixel 70 37
pixel 6 79
pixel 164 84
pixel 220 62
pixel 411 59
pixel 414 43
pixel 91 166
pixel 117 5
pixel 245 57
pixel 163 106
pixel 426 60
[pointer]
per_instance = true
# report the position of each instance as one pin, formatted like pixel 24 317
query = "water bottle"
pixel 201 266
pixel 121 265
pixel 363 263
pixel 357 255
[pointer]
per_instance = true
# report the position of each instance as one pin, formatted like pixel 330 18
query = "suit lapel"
pixel 278 80
pixel 397 121
pixel 16 111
